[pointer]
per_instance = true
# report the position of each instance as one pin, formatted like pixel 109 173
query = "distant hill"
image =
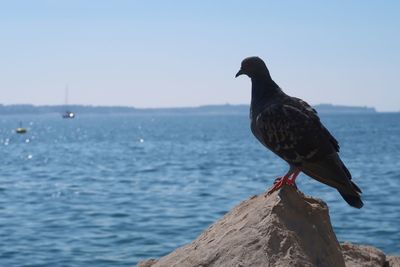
pixel 80 109
pixel 329 108
pixel 202 110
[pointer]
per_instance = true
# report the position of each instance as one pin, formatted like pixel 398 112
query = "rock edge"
pixel 285 228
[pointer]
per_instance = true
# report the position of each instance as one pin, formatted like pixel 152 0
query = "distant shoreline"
pixel 201 110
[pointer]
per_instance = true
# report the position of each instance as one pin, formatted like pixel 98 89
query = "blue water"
pixel 110 191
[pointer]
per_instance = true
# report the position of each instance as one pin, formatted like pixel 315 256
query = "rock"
pixel 361 255
pixel 147 263
pixel 392 261
pixel 282 229
pixel 285 228
pixel 365 256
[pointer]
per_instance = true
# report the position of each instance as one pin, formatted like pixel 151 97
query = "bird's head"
pixel 254 67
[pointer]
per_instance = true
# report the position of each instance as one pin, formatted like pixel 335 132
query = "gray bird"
pixel 291 128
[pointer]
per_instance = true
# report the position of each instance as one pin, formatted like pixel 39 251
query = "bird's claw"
pixel 279 183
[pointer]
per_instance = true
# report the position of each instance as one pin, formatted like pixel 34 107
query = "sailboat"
pixel 20 129
pixel 67 114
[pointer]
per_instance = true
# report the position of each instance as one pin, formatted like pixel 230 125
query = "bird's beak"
pixel 240 72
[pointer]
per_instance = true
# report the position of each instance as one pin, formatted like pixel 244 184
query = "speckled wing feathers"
pixel 293 131
pixel 312 113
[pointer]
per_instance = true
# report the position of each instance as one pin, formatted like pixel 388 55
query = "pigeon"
pixel 291 129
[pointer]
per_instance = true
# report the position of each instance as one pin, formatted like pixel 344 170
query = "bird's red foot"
pixel 281 181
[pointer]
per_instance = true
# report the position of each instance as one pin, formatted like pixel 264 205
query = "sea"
pixel 112 190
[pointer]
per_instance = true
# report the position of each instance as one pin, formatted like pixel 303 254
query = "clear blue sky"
pixel 186 53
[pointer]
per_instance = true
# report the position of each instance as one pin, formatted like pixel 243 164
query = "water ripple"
pixel 112 190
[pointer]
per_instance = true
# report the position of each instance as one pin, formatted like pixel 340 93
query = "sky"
pixel 186 53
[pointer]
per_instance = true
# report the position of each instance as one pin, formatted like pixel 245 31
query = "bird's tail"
pixel 331 171
pixel 353 200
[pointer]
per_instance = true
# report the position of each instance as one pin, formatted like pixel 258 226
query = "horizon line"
pixel 182 107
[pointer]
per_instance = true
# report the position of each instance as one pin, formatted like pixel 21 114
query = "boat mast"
pixel 66 96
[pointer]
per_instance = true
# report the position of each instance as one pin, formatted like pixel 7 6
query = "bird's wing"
pixel 293 134
pixel 312 113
